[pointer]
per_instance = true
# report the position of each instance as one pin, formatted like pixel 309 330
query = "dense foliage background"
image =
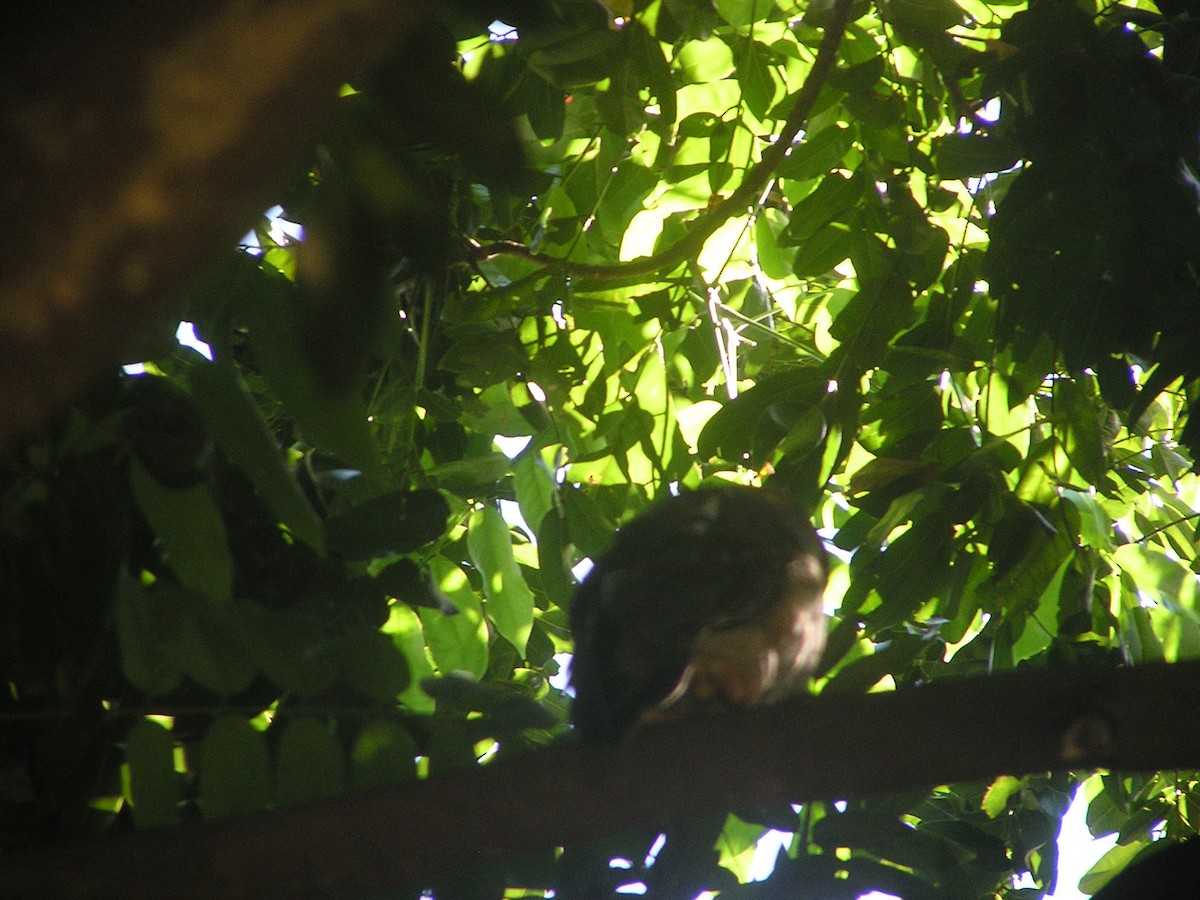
pixel 559 258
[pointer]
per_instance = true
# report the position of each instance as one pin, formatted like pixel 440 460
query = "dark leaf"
pixel 154 785
pixel 235 770
pixel 397 522
pixel 309 763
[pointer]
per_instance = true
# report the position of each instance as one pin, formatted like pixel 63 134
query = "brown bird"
pixel 709 598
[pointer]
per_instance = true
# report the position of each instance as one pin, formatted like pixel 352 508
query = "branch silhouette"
pixel 141 141
pixel 828 747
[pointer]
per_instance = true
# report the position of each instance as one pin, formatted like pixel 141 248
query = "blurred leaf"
pixel 154 786
pixel 835 194
pixel 890 658
pixel 291 648
pixel 485 359
pixel 165 431
pixel 754 75
pixel 372 664
pixel 145 659
pixel 336 422
pixel 1084 418
pixel 405 581
pixel 504 710
pixel 192 532
pixel 235 770
pixel 384 753
pixel 925 15
pixel 535 489
pixel 397 522
pixel 309 764
pixel 962 156
pixel 818 154
pixel 404 628
pixel 465 475
pixel 1110 864
pixel 995 799
pixel 823 250
pixel 913 568
pixel 883 836
pixel 457 642
pixel 509 600
pixel 204 638
pixel 241 431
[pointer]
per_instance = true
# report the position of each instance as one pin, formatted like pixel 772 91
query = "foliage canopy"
pixel 930 264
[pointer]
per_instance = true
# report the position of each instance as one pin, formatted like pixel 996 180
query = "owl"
pixel 709 599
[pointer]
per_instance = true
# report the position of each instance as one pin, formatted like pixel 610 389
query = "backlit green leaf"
pixel 509 600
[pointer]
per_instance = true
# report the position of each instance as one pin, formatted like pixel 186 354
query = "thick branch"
pixel 810 748
pixel 746 193
pixel 137 147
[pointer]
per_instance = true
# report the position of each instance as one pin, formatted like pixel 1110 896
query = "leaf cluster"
pixel 560 258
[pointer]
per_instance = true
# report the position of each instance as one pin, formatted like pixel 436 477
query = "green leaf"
pixel 458 642
pixel 473 473
pixel 204 638
pixel 509 600
pixel 746 426
pixel 235 770
pixel 834 195
pixel 925 15
pixel 553 560
pixel 240 430
pixel 871 320
pixel 1084 417
pixel 145 659
pixel 373 665
pixel 655 73
pixel 333 420
pixel 913 568
pixel 703 62
pixel 754 75
pixel 167 630
pixel 961 156
pixel 309 764
pixel 405 630
pixel 1095 526
pixel 995 798
pixel 740 13
pixel 291 648
pixel 1110 865
pixel 155 788
pixel 1038 633
pixel 384 753
pixel 882 835
pixel 892 657
pixel 481 360
pixel 776 261
pixel 823 250
pixel 535 489
pixel 1029 565
pixel 192 533
pixel 817 154
pixel 397 522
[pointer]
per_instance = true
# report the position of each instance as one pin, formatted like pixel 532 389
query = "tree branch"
pixel 140 140
pixel 744 195
pixel 828 747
